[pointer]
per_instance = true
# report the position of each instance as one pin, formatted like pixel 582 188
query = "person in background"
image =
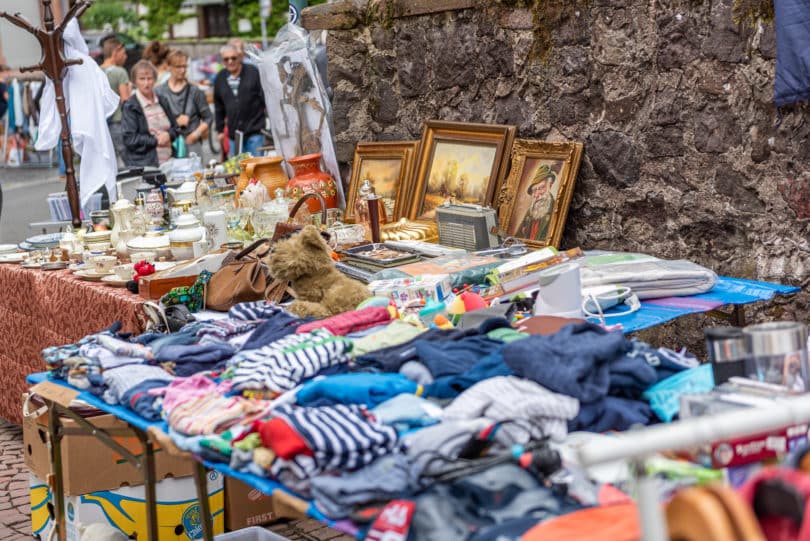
pixel 3 92
pixel 148 128
pixel 239 102
pixel 157 53
pixel 187 103
pixel 115 56
pixel 240 47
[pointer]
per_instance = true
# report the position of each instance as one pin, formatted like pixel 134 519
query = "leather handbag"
pixel 285 229
pixel 243 279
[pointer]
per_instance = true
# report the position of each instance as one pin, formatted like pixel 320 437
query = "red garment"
pixel 781 528
pixel 284 441
pixel 349 322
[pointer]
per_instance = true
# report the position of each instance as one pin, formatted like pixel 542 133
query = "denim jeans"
pixel 250 144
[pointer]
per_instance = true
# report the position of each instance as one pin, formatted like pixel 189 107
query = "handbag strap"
pixel 252 247
pixel 301 201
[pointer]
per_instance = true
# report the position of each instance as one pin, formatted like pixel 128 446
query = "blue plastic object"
pixel 664 396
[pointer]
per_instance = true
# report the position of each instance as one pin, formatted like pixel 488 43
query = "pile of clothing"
pixel 356 411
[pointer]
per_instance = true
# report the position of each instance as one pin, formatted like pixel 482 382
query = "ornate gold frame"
pixel 405 151
pixel 461 132
pixel 571 154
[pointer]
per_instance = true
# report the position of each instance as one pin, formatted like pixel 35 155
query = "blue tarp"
pixel 726 291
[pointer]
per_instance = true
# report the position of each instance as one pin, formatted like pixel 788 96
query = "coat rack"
pixel 54 64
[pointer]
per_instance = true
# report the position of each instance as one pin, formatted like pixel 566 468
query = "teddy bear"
pixel 322 291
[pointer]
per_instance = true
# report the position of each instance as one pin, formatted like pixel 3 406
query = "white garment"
pixel 90 100
pixel 535 410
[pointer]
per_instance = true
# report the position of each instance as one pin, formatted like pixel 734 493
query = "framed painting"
pixel 389 167
pixel 461 161
pixel 538 192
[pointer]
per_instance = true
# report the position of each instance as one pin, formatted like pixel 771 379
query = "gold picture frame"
pixel 389 165
pixel 459 160
pixel 533 209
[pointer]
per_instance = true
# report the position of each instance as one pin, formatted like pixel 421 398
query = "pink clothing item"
pixel 349 322
pixel 781 528
pixel 183 390
pixel 157 121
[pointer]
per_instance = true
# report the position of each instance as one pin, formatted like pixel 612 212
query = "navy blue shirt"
pixel 3 101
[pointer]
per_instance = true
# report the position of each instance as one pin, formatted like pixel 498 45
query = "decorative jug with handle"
pixel 266 169
pixel 309 178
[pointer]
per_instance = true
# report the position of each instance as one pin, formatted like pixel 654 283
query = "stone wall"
pixel 684 156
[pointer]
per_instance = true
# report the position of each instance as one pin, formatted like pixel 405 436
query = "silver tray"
pixel 359 254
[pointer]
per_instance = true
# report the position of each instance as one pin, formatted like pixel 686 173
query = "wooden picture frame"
pixel 389 165
pixel 462 160
pixel 539 168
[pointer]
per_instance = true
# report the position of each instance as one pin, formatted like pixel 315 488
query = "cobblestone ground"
pixel 15 523
pixel 15 507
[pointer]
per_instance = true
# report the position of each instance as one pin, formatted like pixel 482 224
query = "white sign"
pixel 19 47
pixel 265 7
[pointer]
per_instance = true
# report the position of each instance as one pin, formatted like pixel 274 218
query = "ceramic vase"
pixel 267 170
pixel 310 178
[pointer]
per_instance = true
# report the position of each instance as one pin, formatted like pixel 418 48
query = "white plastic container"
pixel 254 533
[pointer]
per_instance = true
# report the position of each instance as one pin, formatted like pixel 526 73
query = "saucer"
pixel 114 281
pixel 78 266
pixel 12 257
pixel 31 265
pixel 48 240
pixel 91 275
pixel 7 248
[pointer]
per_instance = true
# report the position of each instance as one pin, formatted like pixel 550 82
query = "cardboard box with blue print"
pixel 124 508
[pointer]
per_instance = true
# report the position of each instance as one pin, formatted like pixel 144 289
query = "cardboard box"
pixel 246 506
pixel 88 465
pixel 177 508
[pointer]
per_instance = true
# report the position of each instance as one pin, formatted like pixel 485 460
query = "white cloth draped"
pixel 90 100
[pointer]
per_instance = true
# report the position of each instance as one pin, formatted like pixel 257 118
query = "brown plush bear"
pixel 322 291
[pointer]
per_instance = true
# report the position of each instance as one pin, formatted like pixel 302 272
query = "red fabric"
pixel 39 309
pixel 779 528
pixel 615 522
pixel 285 442
pixel 349 322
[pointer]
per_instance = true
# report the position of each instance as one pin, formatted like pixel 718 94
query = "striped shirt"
pixel 341 437
pixel 280 366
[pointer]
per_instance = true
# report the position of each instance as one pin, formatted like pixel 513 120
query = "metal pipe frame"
pixel 146 464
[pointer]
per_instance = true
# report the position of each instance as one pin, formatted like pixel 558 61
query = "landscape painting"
pixel 460 172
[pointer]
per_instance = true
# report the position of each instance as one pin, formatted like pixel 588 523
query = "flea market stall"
pixel 417 358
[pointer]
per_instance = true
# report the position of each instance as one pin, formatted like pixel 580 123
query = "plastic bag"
pixel 297 101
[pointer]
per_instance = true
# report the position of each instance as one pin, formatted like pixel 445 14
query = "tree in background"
pixel 109 14
pixel 161 16
pixel 249 9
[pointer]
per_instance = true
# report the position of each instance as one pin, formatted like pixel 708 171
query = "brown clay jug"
pixel 266 169
pixel 310 178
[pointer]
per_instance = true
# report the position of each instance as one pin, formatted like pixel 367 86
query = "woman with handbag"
pixel 187 103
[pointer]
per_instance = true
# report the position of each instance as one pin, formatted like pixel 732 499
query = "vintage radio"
pixel 472 227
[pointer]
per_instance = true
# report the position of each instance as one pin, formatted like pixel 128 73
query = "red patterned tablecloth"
pixel 51 308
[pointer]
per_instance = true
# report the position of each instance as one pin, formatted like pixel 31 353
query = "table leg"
pixel 56 482
pixel 201 480
pixel 150 480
